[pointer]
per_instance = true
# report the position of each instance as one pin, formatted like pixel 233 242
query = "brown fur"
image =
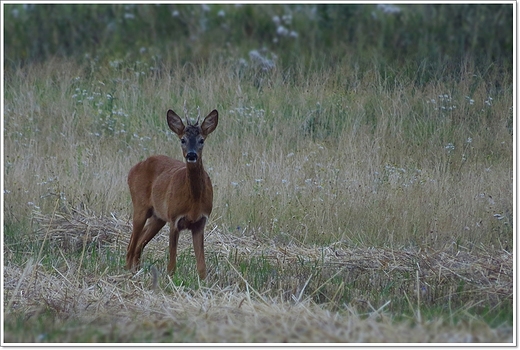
pixel 164 190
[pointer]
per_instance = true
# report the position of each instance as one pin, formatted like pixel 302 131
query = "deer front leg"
pixel 174 239
pixel 198 246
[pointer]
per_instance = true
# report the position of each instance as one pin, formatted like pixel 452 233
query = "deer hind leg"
pixel 139 219
pixel 198 246
pixel 153 226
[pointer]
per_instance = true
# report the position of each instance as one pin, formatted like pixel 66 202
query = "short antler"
pixel 188 121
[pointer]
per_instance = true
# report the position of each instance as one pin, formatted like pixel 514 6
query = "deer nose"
pixel 191 157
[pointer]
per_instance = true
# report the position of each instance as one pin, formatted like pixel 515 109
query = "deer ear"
pixel 175 122
pixel 210 123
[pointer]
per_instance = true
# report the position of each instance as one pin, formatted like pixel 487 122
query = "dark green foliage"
pixel 431 39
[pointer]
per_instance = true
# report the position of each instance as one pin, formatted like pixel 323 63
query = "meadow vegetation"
pixel 363 182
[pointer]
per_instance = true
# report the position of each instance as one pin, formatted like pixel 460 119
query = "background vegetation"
pixel 363 155
pixel 426 39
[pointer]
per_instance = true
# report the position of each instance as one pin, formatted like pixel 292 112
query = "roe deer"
pixel 168 190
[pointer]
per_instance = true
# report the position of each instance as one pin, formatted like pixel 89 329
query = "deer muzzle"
pixel 191 157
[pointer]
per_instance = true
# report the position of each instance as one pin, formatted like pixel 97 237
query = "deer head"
pixel 192 136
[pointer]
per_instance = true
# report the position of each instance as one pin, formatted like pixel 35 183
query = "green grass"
pixel 45 327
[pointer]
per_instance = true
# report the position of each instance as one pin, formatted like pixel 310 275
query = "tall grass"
pixel 310 161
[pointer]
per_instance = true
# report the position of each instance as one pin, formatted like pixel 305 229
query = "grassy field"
pixel 351 205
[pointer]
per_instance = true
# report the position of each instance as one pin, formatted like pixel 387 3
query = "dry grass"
pixel 212 315
pixel 309 152
pixel 124 306
pixel 491 274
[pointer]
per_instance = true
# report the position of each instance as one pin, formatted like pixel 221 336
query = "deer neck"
pixel 195 178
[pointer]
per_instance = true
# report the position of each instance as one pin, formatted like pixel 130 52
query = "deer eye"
pixel 183 141
pixel 201 141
